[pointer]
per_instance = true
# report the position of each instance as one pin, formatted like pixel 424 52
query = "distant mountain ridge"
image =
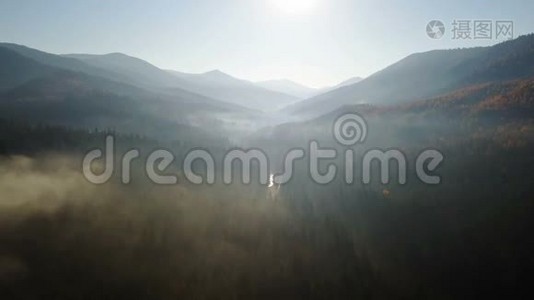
pixel 70 92
pixel 134 71
pixel 219 85
pixel 17 69
pixel 304 92
pixel 349 81
pixel 214 84
pixel 120 91
pixel 344 83
pixel 487 106
pixel 423 75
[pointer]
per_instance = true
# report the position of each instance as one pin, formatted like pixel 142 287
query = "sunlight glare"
pixel 295 7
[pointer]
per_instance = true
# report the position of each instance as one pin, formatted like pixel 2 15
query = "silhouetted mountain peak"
pixel 117 54
pixel 217 74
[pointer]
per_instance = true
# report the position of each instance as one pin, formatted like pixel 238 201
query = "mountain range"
pixel 423 75
pixel 131 95
pixel 45 88
pixel 214 84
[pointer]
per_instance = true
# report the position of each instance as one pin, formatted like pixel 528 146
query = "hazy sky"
pixel 315 42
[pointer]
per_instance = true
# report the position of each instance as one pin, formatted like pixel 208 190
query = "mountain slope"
pixel 219 85
pixel 490 108
pixel 349 81
pixel 83 101
pixel 214 84
pixel 17 69
pixel 37 93
pixel 135 69
pixel 118 68
pixel 428 74
pixel 64 63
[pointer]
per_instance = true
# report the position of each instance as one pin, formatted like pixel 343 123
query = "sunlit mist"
pixel 296 7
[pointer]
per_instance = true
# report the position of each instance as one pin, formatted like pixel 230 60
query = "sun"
pixel 295 7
